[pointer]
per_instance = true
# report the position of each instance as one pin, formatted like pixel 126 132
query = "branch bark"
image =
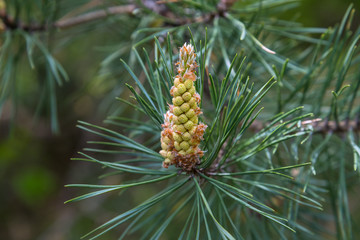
pixel 157 7
pixel 11 23
pixel 319 126
pixel 95 15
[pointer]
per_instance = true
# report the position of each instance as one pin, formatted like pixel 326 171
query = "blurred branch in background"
pixel 70 20
pixel 64 23
pixel 319 126
pixel 95 15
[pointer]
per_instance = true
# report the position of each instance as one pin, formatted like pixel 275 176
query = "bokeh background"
pixel 35 162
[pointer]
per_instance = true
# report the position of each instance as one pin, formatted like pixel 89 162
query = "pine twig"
pixel 319 126
pixel 11 23
pixel 95 15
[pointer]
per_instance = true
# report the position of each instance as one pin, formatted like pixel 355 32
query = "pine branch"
pixel 11 23
pixel 95 15
pixel 319 126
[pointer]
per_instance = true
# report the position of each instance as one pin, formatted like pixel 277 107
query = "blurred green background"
pixel 35 163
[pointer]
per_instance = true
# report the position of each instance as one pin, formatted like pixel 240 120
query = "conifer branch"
pixel 11 23
pixel 319 126
pixel 95 15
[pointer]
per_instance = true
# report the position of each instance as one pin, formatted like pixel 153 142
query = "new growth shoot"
pixel 182 132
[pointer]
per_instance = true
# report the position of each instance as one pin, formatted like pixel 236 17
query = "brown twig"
pixel 95 15
pixel 318 125
pixel 69 22
pixel 11 23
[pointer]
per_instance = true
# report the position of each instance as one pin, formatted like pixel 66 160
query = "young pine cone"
pixel 182 131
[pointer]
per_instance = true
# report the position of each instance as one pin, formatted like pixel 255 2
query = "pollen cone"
pixel 182 131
